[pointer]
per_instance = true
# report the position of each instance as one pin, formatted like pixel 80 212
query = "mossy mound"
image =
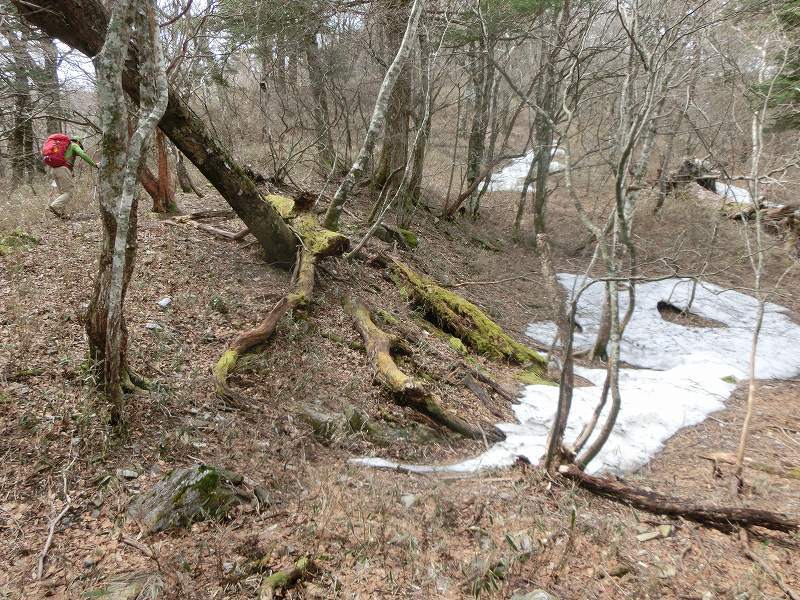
pixel 188 494
pixel 16 240
pixel 463 320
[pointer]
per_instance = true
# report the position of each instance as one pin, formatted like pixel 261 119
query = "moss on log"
pixel 314 237
pixel 406 390
pixel 298 298
pixel 462 319
pixel 284 579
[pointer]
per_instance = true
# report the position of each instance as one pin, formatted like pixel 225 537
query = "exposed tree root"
pixel 296 299
pixel 723 517
pixel 462 319
pixel 406 390
pixel 316 242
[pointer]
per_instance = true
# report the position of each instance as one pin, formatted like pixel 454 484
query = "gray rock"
pixel 153 326
pixel 187 495
pixel 164 302
pixel 127 474
pixel 534 595
pixel 408 500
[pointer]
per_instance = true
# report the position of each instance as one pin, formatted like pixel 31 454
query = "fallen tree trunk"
pixel 723 517
pixel 462 319
pixel 282 580
pixel 81 24
pixel 317 242
pixel 406 390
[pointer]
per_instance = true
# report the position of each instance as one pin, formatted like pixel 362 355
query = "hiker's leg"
pixel 63 178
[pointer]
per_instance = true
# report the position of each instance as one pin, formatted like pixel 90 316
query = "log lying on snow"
pixel 317 242
pixel 724 518
pixel 462 319
pixel 81 24
pixel 406 390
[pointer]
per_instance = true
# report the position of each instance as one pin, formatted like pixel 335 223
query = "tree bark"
pixel 81 24
pixel 722 517
pixel 377 120
pixel 394 150
pixel 316 76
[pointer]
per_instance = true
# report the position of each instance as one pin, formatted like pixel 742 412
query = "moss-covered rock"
pixel 16 240
pixel 186 495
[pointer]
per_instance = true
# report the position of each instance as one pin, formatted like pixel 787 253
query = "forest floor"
pixel 370 533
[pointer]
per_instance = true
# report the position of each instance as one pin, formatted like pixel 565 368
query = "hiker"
pixel 58 153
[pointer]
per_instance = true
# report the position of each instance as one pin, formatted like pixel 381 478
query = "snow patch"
pixel 687 372
pixel 733 194
pixel 512 177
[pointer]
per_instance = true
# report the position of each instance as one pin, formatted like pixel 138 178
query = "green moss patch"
pixel 16 240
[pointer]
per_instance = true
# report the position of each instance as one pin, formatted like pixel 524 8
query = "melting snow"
pixel 512 177
pixel 733 194
pixel 686 373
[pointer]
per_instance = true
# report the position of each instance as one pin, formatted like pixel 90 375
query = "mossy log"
pixel 406 390
pixel 298 298
pixel 313 236
pixel 462 319
pixel 284 579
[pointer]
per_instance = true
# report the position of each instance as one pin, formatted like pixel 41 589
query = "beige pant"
pixel 62 177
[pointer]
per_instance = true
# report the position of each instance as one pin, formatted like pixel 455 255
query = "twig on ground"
pixel 54 523
pixel 743 538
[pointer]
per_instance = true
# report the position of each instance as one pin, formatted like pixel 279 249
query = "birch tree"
pixel 378 118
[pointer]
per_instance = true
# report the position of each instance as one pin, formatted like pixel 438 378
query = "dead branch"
pixel 743 538
pixel 723 518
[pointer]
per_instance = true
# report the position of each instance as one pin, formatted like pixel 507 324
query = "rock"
pixel 164 302
pixel 534 595
pixel 153 326
pixel 128 586
pixel 408 500
pixel 127 474
pixel 186 495
pixel 662 531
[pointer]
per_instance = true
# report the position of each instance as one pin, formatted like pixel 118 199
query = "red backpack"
pixel 54 149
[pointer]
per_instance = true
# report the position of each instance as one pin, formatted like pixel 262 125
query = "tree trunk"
pixel 81 24
pixel 20 143
pixel 164 200
pixel 482 79
pixel 377 120
pixel 184 180
pixel 118 179
pixel 53 87
pixel 424 121
pixel 316 77
pixel 394 150
pixel 722 517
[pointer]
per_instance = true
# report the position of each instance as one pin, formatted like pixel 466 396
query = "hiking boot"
pixel 58 214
